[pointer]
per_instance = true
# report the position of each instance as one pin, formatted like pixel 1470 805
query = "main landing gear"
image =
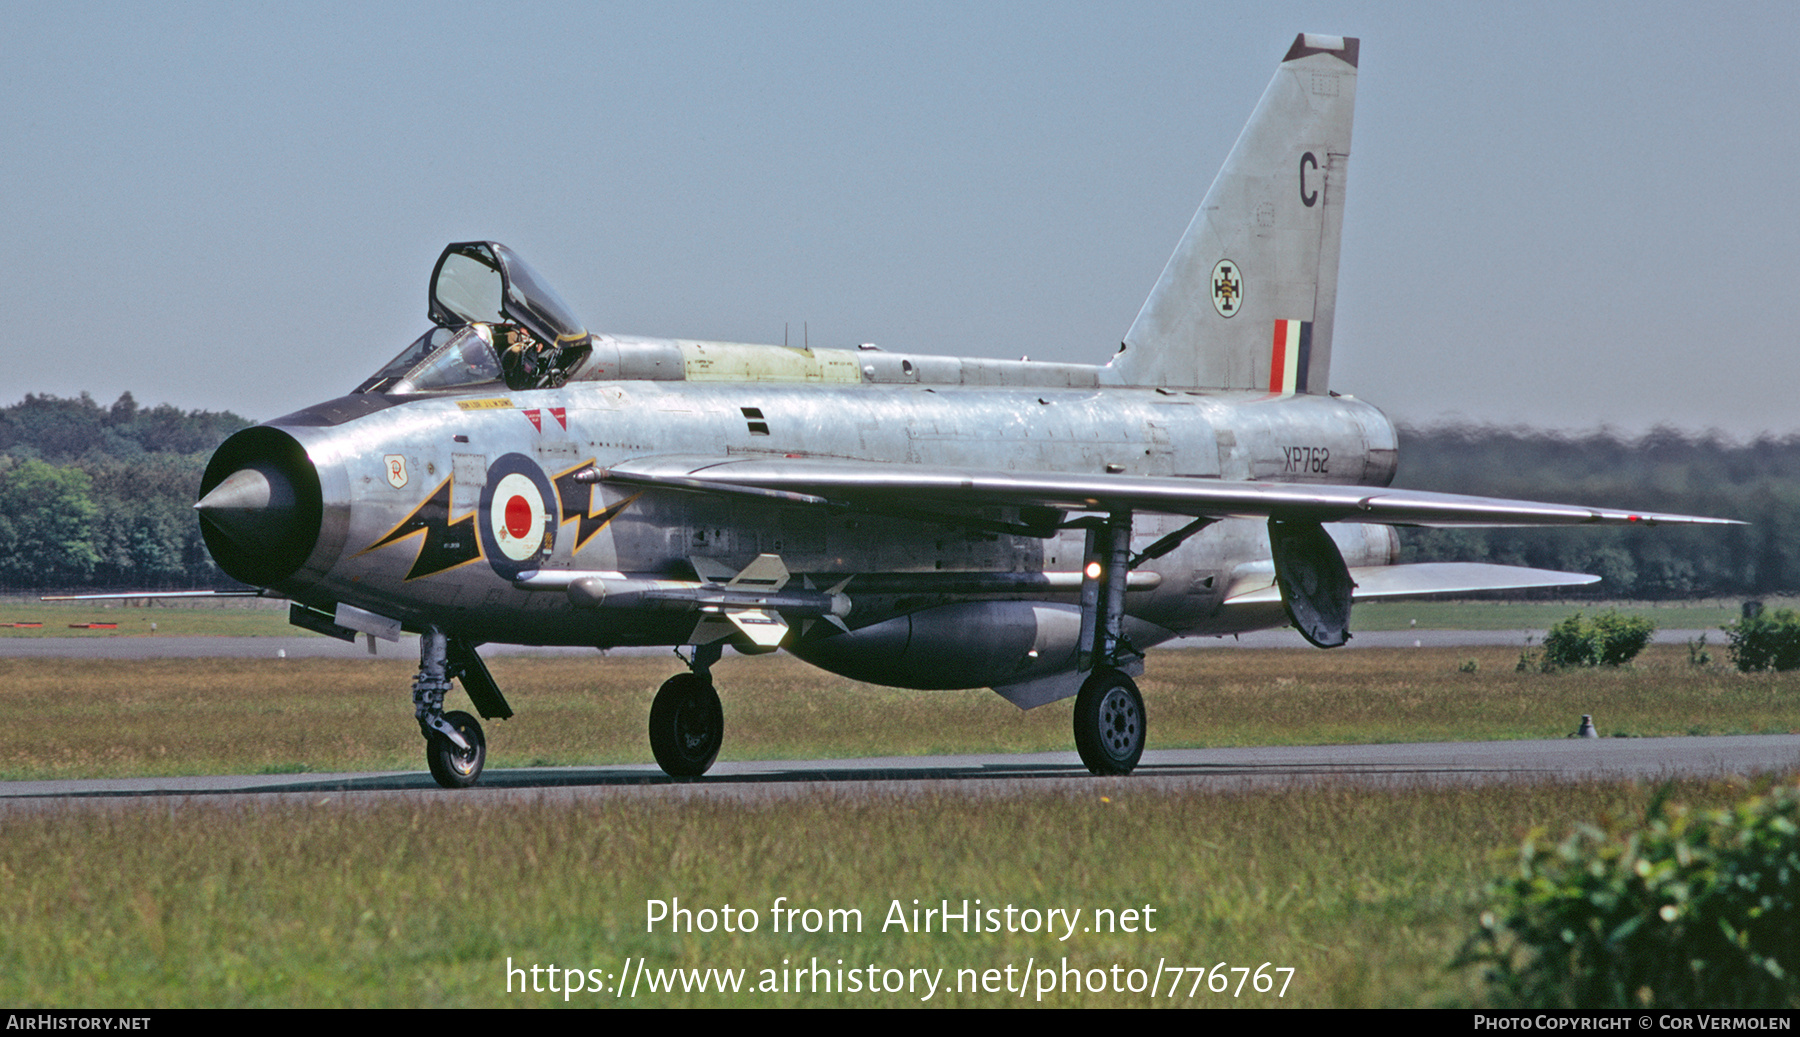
pixel 687 724
pixel 1109 712
pixel 1109 723
pixel 455 747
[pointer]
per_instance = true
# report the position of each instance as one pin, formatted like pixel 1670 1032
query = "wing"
pixel 880 486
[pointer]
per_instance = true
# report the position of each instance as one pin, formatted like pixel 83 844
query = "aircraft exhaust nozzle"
pixel 252 506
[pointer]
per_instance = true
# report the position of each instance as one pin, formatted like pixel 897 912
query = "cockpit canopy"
pixel 497 321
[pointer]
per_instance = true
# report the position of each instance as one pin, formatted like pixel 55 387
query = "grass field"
pixel 1366 897
pixel 251 617
pixel 91 718
pixel 347 900
pixel 225 617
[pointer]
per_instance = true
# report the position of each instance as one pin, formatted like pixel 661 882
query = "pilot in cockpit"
pixel 524 359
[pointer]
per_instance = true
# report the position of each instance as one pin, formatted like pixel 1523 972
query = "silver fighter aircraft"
pixel 915 521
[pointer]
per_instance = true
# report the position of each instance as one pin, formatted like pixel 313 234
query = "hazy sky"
pixel 1561 214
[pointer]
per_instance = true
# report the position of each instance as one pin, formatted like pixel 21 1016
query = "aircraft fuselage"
pixel 400 516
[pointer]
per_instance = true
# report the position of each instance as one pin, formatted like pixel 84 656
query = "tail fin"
pixel 1246 301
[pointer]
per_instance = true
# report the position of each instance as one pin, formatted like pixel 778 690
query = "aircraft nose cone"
pixel 253 506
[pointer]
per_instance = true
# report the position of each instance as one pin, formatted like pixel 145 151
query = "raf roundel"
pixel 518 517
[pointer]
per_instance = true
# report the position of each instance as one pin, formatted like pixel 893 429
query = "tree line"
pixel 1665 470
pixel 102 498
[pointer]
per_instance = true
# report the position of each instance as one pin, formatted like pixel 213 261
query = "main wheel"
pixel 1109 723
pixel 687 725
pixel 452 767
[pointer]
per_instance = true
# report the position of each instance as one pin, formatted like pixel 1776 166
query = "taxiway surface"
pixel 1391 766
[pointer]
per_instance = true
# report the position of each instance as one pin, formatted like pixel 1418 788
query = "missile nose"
pixel 254 506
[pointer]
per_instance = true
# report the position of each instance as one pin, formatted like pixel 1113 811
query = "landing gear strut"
pixel 455 747
pixel 687 724
pixel 1109 712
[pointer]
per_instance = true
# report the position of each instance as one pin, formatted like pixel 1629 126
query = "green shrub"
pixel 1696 909
pixel 1609 639
pixel 1765 641
pixel 1698 654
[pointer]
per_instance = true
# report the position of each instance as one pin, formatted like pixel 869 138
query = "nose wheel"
pixel 1109 723
pixel 452 766
pixel 687 725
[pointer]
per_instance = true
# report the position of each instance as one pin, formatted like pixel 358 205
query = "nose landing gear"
pixel 455 747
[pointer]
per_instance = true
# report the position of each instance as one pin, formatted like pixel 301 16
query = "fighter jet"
pixel 906 520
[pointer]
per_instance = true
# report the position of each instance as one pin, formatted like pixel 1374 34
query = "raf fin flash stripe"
pixel 1290 356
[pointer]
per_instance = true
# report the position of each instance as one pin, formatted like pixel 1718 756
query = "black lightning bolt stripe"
pixel 446 544
pixel 577 497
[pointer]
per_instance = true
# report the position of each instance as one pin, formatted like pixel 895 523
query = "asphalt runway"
pixel 1012 776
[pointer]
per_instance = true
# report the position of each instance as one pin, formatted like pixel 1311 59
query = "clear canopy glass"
pixel 523 333
pixel 442 358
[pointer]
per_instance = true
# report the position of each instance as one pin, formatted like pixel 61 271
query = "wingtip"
pixel 1650 519
pixel 1344 48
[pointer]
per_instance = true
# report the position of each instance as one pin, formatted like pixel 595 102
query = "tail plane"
pixel 1246 301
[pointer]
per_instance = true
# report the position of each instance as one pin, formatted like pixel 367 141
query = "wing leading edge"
pixel 883 486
